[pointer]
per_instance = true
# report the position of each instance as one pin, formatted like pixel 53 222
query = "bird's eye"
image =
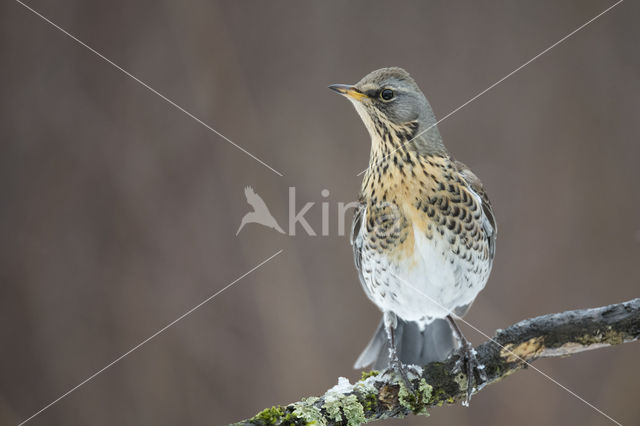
pixel 386 94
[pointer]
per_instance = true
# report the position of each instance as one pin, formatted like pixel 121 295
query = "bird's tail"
pixel 414 346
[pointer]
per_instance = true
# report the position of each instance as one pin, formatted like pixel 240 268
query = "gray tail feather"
pixel 414 346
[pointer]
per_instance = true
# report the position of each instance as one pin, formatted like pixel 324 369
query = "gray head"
pixel 388 99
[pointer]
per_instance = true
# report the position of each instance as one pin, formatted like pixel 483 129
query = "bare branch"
pixel 381 396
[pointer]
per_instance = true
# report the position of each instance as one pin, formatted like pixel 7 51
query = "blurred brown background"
pixel 119 212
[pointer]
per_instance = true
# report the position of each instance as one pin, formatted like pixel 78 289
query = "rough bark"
pixel 382 395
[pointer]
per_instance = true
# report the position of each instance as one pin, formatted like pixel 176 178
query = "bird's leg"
pixel 390 324
pixel 469 360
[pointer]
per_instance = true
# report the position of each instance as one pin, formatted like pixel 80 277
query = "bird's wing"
pixel 356 238
pixel 490 226
pixel 255 200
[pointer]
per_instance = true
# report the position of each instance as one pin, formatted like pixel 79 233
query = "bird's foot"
pixel 468 362
pixel 406 373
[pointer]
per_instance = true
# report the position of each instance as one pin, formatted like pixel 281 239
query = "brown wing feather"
pixel 476 185
pixel 357 242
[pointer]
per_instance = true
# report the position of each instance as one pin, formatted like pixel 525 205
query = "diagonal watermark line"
pixel 548 377
pixel 136 347
pixel 496 83
pixel 145 85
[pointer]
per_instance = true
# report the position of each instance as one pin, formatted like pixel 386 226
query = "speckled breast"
pixel 425 251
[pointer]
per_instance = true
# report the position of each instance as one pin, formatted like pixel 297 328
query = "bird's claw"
pixel 397 368
pixel 468 362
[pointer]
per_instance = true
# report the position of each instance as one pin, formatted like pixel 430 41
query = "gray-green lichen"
pixel 417 401
pixel 347 405
pixel 307 411
pixel 353 410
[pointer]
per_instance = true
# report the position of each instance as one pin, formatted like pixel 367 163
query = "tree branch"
pixel 381 396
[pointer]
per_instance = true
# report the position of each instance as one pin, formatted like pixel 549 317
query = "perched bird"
pixel 260 213
pixel 424 234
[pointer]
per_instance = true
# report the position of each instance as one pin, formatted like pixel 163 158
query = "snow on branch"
pixel 383 395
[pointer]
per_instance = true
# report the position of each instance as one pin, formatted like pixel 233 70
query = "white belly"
pixel 428 285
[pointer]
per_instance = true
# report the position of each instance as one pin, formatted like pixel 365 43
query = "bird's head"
pixel 387 100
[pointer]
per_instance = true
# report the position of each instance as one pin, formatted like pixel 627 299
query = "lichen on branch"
pixel 383 395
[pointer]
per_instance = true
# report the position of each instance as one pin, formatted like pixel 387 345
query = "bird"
pixel 260 213
pixel 423 233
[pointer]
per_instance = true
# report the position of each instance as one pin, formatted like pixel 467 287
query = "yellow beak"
pixel 347 90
